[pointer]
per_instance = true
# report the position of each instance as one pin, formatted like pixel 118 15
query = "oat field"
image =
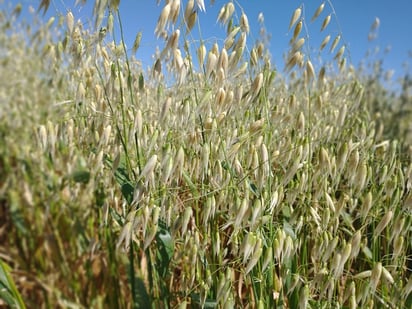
pixel 213 179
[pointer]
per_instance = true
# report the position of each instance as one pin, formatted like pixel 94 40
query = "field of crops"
pixel 212 180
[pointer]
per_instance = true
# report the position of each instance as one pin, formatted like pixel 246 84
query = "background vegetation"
pixel 212 180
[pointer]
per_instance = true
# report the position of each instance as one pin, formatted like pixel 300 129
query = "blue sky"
pixel 354 19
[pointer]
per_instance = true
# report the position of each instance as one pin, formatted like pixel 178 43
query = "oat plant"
pixel 211 180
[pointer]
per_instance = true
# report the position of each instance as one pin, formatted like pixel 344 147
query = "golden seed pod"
pixel 363 275
pixel 356 241
pixel 387 275
pixel 230 9
pixel 201 54
pixel 257 125
pixel 360 177
pixel 189 9
pixel 293 60
pixel 257 84
pixel 325 22
pixel 220 96
pixel 383 223
pixel 398 247
pixel 190 22
pixel 253 57
pixel 163 19
pixel 221 15
pixel 318 12
pixel 297 30
pixel 174 10
pixel 244 23
pixel 70 22
pixel 211 63
pixel 340 52
pixel 375 276
pixel 257 252
pixel 298 44
pixel 295 17
pixel 335 43
pixel 310 71
pixel 324 42
pixel 366 205
pixel 223 61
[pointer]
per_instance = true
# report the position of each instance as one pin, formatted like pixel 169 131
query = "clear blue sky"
pixel 354 17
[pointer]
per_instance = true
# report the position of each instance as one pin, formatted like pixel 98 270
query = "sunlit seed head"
pixel 375 276
pixel 257 84
pixel 163 19
pixel 244 23
pixel 190 22
pixel 189 9
pixel 324 42
pixel 383 223
pixel 174 10
pixel 295 17
pixel 70 22
pixel 297 30
pixel 325 22
pixel 335 43
pixel 201 54
pixel 220 96
pixel 318 11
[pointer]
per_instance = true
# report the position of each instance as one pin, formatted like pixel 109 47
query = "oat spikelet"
pixel 295 59
pixel 149 167
pixel 201 54
pixel 174 10
pixel 211 63
pixel 295 17
pixel 297 30
pixel 163 19
pixel 257 84
pixel 70 21
pixel 310 71
pixel 298 44
pixel 244 23
pixel 375 277
pixel 318 11
pixel 325 22
pixel 325 42
pixel 340 52
pixel 190 23
pixel 335 43
pixel 383 223
pixel 189 9
pixel 136 42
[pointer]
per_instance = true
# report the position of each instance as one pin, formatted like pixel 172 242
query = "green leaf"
pixel 165 249
pixel 122 177
pixel 141 296
pixel 209 303
pixel 141 82
pixel 8 291
pixel 80 176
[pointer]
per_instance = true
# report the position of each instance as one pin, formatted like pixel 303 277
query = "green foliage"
pixel 8 290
